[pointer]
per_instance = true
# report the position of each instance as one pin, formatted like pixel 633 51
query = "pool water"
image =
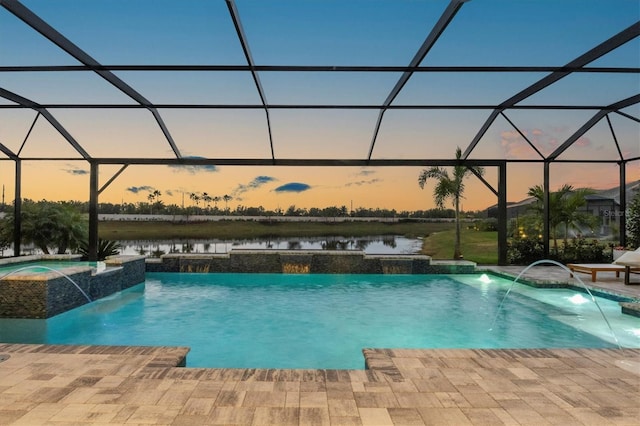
pixel 324 321
pixel 40 267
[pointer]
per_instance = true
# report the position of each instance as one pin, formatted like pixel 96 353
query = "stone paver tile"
pixel 482 416
pixel 525 415
pixel 345 421
pixel 438 385
pixel 613 399
pixel 256 386
pixel 292 399
pixel 405 416
pixel 179 397
pixel 480 400
pixel 375 417
pixel 588 416
pixel 104 397
pixel 124 414
pixel 47 394
pixel 313 387
pixel 405 386
pixel 197 406
pixel 207 389
pixel 314 416
pixel 185 420
pixel 101 413
pixel 357 387
pixel 141 397
pixel 80 395
pixel 40 414
pixel 342 408
pixel 506 418
pixel 338 394
pixel 230 398
pixel 264 399
pixel 287 387
pixel 153 414
pixel 276 416
pixel 10 416
pixel 231 416
pixel 375 400
pixel 444 417
pixel 313 399
pixel 109 382
pixel 452 400
pixel 415 399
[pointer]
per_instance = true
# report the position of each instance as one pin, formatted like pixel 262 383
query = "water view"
pixel 387 244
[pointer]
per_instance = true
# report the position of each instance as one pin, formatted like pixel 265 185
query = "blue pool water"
pixel 40 267
pixel 324 321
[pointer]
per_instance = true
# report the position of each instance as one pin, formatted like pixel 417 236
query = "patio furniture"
pixel 594 268
pixel 631 263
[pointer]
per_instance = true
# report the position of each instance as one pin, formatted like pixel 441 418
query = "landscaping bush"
pixel 578 250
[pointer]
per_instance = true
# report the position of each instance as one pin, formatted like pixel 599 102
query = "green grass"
pixel 115 230
pixel 478 246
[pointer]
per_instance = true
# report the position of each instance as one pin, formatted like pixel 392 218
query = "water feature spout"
pixel 49 269
pixel 553 262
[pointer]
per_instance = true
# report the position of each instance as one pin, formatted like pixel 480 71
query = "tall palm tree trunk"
pixel 457 253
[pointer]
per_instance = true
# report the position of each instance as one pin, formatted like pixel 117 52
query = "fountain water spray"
pixel 50 269
pixel 553 262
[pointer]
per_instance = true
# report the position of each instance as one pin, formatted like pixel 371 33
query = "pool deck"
pixel 57 385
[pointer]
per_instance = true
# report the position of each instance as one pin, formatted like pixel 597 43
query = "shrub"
pixel 525 251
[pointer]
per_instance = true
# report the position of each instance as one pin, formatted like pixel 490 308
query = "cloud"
pixel 136 189
pixel 256 183
pixel 365 172
pixel 169 192
pixel 209 168
pixel 293 187
pixel 364 182
pixel 75 170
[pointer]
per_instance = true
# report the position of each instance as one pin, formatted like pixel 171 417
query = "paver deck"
pixel 56 385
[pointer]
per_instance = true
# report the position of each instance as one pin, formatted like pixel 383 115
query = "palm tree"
pixel 226 199
pixel 564 208
pixel 216 199
pixel 207 199
pixel 450 187
pixel 195 198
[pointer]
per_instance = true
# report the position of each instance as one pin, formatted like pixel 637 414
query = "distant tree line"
pixel 202 206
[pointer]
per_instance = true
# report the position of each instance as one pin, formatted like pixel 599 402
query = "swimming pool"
pixel 324 321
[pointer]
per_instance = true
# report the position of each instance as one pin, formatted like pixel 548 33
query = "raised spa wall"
pixel 45 294
pixel 306 262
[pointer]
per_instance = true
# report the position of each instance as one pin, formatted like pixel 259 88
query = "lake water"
pixel 370 245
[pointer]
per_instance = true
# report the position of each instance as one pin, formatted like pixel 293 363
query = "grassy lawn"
pixel 115 230
pixel 478 246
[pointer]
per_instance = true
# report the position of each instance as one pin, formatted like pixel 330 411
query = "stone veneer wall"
pixel 46 294
pixel 305 261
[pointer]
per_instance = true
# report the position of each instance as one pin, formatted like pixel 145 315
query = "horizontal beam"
pixel 320 68
pixel 309 162
pixel 318 106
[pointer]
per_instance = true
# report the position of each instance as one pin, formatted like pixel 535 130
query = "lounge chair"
pixel 627 263
pixel 631 263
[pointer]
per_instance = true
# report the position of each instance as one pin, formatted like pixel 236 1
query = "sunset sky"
pixel 314 32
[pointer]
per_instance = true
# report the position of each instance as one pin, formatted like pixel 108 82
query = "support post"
pixel 545 215
pixel 502 214
pixel 622 215
pixel 93 212
pixel 17 210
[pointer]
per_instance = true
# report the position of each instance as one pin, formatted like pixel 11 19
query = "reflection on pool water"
pixel 324 321
pixel 387 244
